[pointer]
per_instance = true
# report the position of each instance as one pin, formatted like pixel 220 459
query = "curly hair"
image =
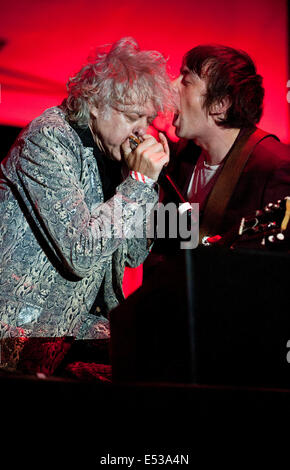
pixel 229 73
pixel 123 76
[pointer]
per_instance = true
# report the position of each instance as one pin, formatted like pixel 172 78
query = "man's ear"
pixel 220 107
pixel 93 110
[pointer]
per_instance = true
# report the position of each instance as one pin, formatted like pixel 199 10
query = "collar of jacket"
pixel 110 170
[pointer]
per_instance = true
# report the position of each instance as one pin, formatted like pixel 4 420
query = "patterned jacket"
pixel 59 240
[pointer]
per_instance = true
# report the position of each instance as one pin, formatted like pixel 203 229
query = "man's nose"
pixel 142 127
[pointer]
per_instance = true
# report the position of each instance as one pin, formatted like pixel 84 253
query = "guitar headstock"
pixel 266 226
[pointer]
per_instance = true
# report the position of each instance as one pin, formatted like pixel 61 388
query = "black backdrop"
pixel 7 136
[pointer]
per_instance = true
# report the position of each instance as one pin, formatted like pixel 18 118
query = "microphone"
pixel 184 209
pixel 164 179
pixel 168 184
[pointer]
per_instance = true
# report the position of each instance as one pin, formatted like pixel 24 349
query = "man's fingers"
pixel 149 157
pixel 152 149
pixel 163 159
pixel 164 142
pixel 126 148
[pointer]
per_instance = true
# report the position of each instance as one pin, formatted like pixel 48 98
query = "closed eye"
pixel 133 117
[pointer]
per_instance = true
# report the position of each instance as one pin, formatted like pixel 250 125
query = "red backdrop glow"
pixel 45 42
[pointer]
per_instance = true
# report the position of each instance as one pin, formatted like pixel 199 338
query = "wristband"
pixel 143 178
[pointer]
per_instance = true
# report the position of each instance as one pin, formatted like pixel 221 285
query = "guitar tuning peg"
pixel 279 237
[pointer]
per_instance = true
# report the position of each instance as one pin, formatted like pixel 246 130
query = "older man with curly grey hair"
pixel 72 191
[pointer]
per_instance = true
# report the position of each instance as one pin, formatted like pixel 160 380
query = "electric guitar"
pixel 266 228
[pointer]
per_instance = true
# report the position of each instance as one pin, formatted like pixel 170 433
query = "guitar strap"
pixel 227 181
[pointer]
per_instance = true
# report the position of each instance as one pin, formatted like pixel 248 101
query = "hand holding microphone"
pixel 146 155
pixel 164 179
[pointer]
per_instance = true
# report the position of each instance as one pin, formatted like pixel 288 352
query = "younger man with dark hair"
pixel 221 102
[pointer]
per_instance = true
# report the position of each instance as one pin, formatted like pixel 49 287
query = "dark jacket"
pixel 265 178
